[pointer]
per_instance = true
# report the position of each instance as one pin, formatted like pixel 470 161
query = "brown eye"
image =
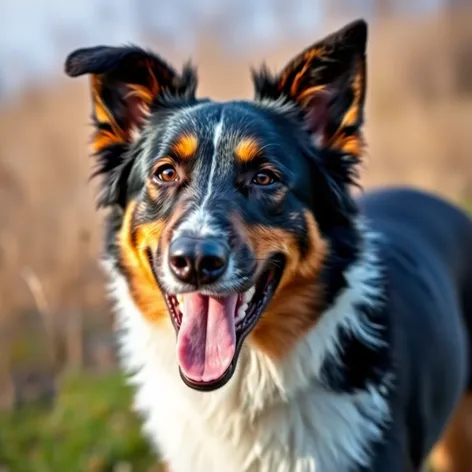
pixel 166 173
pixel 264 178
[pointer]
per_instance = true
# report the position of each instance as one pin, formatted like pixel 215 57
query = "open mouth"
pixel 211 329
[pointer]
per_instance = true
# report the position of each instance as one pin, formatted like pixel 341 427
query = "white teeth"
pixel 241 312
pixel 180 302
pixel 246 298
pixel 249 294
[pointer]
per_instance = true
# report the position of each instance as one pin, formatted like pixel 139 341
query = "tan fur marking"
pixel 294 309
pixel 139 100
pixel 351 144
pixel 186 146
pixel 247 149
pixel 147 92
pixel 352 115
pixel 104 138
pixel 133 244
pixel 453 453
pixel 305 96
pixel 306 58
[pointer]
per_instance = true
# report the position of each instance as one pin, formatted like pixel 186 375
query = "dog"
pixel 270 319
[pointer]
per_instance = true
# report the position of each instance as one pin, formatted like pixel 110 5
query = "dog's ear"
pixel 125 82
pixel 327 84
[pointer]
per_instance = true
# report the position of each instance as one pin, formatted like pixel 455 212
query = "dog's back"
pixel 427 249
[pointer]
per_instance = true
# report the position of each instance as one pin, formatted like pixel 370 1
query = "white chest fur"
pixel 268 418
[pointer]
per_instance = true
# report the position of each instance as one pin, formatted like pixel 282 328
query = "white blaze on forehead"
pixel 200 220
pixel 216 139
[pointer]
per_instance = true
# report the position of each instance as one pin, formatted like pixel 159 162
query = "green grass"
pixel 89 429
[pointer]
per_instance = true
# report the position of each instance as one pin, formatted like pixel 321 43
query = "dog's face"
pixel 232 220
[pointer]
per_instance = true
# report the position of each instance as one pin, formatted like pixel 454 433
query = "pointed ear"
pixel 125 82
pixel 327 84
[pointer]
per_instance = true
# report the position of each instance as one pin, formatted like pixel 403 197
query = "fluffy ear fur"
pixel 126 83
pixel 327 83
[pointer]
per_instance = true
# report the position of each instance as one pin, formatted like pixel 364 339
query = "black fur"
pixel 361 365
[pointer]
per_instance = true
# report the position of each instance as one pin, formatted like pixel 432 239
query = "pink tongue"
pixel 206 341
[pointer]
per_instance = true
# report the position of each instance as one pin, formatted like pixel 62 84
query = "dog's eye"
pixel 264 178
pixel 166 173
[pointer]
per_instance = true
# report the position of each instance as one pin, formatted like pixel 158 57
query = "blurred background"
pixel 63 407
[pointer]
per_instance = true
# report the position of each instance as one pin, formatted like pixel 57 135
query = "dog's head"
pixel 233 220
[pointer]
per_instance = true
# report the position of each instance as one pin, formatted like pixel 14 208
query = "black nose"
pixel 198 261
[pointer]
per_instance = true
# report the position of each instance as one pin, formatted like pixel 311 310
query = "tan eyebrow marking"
pixel 186 146
pixel 247 149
